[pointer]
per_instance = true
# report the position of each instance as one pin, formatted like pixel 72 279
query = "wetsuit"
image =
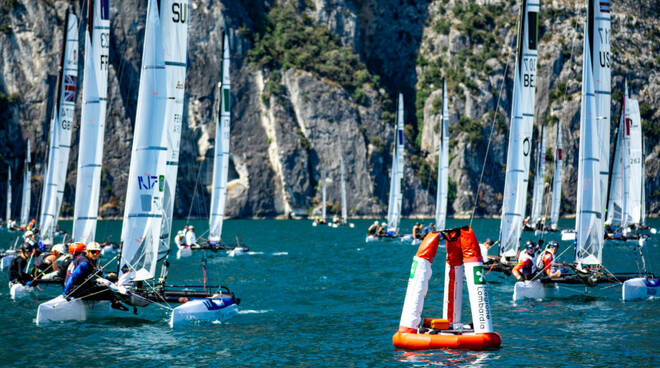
pixel 42 262
pixel 17 271
pixel 81 281
pixel 525 266
pixel 372 230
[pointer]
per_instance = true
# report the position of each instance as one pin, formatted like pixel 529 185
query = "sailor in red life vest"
pixel 549 266
pixel 525 267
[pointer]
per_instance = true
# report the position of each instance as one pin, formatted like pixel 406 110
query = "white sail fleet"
pixel 148 213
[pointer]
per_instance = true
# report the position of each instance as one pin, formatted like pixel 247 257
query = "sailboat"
pixel 27 189
pixel 443 165
pixel 588 269
pixel 344 207
pixel 145 242
pixel 321 220
pixel 520 136
pixel 60 132
pixel 537 220
pixel 394 204
pixel 8 213
pixel 92 122
pixel 625 211
pixel 556 182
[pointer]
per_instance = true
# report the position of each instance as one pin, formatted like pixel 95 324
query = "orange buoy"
pixel 464 261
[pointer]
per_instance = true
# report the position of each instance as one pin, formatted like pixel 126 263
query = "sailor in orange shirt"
pixel 525 267
pixel 549 266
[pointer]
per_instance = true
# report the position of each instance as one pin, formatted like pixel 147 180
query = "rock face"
pixel 282 140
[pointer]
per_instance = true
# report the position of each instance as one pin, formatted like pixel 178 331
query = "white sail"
pixel 8 216
pixel 556 181
pixel 27 188
pixel 221 155
pixel 323 195
pixel 589 220
pixel 520 131
pixel 616 203
pixel 598 32
pixel 539 180
pixel 144 209
pixel 643 206
pixel 443 165
pixel 635 174
pixel 344 209
pixel 394 208
pixel 60 131
pixel 92 122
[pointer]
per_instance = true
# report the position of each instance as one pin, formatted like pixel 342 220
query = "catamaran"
pixel 556 182
pixel 394 205
pixel 60 132
pixel 321 220
pixel 625 211
pixel 344 208
pixel 588 269
pixel 537 222
pixel 145 242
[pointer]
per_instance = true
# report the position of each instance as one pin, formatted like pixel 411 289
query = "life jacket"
pixel 74 279
pixel 41 263
pixel 528 263
pixel 17 270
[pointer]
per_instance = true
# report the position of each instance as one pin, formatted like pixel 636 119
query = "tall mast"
pixel 556 182
pixel 394 208
pixel 520 132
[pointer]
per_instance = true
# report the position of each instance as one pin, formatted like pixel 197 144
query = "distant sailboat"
pixel 8 213
pixel 556 182
pixel 395 197
pixel 443 165
pixel 92 122
pixel 520 133
pixel 27 188
pixel 336 222
pixel 60 132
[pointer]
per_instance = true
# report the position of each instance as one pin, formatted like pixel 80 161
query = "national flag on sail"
pixel 558 153
pixel 627 126
pixel 605 6
pixel 69 88
pixel 105 9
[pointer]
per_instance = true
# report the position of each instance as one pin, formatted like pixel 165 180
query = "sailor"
pixel 46 262
pixel 191 238
pixel 75 249
pixel 29 238
pixel 551 269
pixel 31 224
pixel 373 228
pixel 380 232
pixel 525 267
pixel 178 239
pixel 485 247
pixel 81 278
pixel 17 267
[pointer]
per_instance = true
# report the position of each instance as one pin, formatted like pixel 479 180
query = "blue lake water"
pixel 322 297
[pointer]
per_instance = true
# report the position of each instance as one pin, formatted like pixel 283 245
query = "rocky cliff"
pixel 316 80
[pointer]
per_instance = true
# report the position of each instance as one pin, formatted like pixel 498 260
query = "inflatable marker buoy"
pixel 463 261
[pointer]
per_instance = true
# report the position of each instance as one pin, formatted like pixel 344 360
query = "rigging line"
pixel 540 272
pixel 90 277
pixel 153 289
pixel 192 200
pixel 490 138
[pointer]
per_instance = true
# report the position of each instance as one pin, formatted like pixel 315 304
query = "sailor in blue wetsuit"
pixel 81 278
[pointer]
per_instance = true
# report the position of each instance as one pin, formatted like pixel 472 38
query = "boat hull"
pixel 534 290
pixel 6 260
pixel 640 288
pixel 61 310
pixel 209 309
pixel 20 291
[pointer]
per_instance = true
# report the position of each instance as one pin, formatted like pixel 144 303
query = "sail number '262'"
pixel 180 12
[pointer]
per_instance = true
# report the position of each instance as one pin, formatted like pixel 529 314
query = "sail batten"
pixel 92 124
pixel 443 164
pixel 394 206
pixel 520 133
pixel 221 155
pixel 60 131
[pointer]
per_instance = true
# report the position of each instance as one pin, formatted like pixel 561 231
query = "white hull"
pixel 568 235
pixel 183 252
pixel 640 288
pixel 6 260
pixel 236 252
pixel 60 310
pixel 209 310
pixel 534 290
pixel 19 291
